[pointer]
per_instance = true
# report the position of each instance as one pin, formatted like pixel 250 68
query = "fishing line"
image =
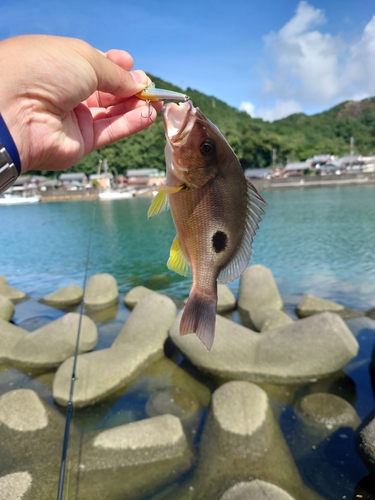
pixel 69 410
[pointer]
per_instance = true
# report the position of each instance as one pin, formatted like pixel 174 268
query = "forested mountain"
pixel 295 138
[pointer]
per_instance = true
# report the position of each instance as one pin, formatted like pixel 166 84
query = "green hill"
pixel 330 131
pixel 295 138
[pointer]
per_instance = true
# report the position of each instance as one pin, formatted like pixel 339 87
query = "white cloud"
pixel 311 68
pixel 306 59
pixel 248 107
pixel 280 110
pixel 360 68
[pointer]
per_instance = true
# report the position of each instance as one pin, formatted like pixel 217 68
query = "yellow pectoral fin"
pixel 160 204
pixel 177 261
pixel 165 189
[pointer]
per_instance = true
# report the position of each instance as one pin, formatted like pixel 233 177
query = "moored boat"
pixel 113 194
pixel 11 199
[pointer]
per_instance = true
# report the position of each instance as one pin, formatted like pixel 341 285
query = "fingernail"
pixel 138 76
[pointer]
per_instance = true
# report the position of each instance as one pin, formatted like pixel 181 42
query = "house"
pixel 102 181
pixel 346 162
pixel 25 182
pixel 73 179
pixel 317 160
pixel 50 184
pixel 296 169
pixel 369 165
pixel 122 181
pixel 258 173
pixel 145 177
pixel 328 169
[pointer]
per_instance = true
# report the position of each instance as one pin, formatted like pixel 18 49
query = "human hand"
pixel 62 99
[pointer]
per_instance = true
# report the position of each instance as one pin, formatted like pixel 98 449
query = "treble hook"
pixel 149 113
pixel 151 94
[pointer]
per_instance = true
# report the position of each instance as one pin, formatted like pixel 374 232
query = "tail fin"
pixel 199 317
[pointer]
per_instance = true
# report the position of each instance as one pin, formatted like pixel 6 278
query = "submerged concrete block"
pixel 242 441
pixel 132 460
pixel 305 350
pixel 68 296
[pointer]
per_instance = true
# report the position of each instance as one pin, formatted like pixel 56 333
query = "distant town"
pixel 318 170
pixel 324 164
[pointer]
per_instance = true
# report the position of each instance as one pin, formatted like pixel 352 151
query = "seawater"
pixel 317 241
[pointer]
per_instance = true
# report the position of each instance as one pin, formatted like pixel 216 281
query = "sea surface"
pixel 319 241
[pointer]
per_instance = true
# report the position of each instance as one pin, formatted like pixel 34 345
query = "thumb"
pixel 113 73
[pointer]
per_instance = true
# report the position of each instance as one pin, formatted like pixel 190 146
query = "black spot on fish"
pixel 219 241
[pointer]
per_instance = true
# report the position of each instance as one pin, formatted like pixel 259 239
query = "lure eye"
pixel 208 146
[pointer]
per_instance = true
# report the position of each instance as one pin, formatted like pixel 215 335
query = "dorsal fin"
pixel 241 260
pixel 177 261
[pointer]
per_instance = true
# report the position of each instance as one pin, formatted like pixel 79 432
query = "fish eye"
pixel 208 146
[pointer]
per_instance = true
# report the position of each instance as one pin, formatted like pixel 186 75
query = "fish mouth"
pixel 178 121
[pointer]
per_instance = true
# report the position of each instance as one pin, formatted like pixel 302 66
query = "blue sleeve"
pixel 8 143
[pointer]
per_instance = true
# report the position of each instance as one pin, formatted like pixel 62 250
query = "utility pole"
pixel 274 157
pixel 351 150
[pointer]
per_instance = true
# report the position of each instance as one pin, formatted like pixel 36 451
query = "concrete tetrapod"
pixel 256 490
pixel 366 442
pixel 328 410
pixel 305 350
pixel 10 335
pixel 30 441
pixel 241 441
pixel 12 293
pixel 101 291
pixel 6 308
pixel 52 344
pixel 258 290
pixel 226 301
pixel 310 304
pixel 68 296
pixel 319 415
pixel 15 486
pixel 135 294
pixel 130 461
pixel 101 373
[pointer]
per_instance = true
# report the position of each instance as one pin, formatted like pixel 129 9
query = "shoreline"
pixel 260 184
pixel 314 181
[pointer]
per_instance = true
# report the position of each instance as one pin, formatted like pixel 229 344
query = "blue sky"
pixel 269 57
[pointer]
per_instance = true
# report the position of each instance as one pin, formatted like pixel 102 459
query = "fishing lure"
pixel 151 94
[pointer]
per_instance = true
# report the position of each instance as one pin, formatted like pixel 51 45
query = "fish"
pixel 216 211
